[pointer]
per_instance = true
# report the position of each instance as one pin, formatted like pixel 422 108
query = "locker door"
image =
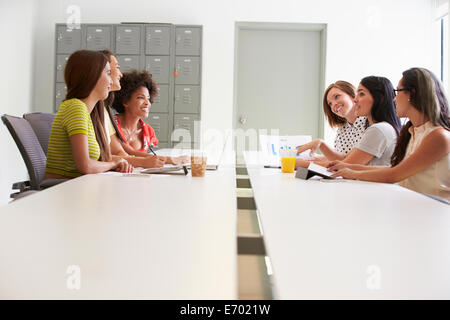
pixel 188 69
pixel 60 94
pixel 184 124
pixel 61 60
pixel 161 102
pixel 68 40
pixel 157 40
pixel 128 39
pixel 187 41
pixel 187 99
pixel 98 38
pixel 158 66
pixel 127 63
pixel 160 123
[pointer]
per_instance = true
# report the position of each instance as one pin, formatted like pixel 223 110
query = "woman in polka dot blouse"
pixel 338 106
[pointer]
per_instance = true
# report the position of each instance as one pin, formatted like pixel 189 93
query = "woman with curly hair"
pixel 132 103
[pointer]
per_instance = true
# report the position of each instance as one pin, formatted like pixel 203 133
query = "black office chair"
pixel 42 126
pixel 32 154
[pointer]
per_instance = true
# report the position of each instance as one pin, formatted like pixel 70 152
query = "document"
pixel 271 145
pixel 166 169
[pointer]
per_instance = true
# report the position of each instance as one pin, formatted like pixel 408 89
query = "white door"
pixel 279 81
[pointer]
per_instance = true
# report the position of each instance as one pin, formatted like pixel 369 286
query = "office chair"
pixel 42 126
pixel 32 154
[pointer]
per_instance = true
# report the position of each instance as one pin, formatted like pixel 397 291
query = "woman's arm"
pixel 433 148
pixel 357 156
pixel 144 162
pixel 124 149
pixel 328 152
pixel 137 159
pixel 86 165
pixel 338 165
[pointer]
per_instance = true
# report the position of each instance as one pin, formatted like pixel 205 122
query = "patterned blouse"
pixel 349 135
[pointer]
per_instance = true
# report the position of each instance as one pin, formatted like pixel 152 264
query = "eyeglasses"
pixel 398 90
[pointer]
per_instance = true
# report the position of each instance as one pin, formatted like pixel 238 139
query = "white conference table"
pixel 351 239
pixel 133 237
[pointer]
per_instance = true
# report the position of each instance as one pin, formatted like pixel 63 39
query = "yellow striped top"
pixel 72 118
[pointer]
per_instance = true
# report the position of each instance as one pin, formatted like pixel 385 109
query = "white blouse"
pixel 350 134
pixel 435 179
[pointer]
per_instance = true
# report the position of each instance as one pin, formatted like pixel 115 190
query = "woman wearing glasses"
pixel 421 159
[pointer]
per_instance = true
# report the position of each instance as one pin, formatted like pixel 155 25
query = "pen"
pixel 150 147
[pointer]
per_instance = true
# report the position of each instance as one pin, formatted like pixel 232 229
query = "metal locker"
pixel 187 99
pixel 67 40
pixel 184 124
pixel 157 40
pixel 160 123
pixel 61 60
pixel 127 63
pixel 98 38
pixel 187 41
pixel 128 40
pixel 161 102
pixel 60 94
pixel 158 66
pixel 188 69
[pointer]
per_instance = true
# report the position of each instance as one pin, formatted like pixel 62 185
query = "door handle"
pixel 243 120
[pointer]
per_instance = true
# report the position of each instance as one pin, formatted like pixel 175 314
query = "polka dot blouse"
pixel 349 135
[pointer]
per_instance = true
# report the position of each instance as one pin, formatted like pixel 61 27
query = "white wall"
pixel 381 37
pixel 16 83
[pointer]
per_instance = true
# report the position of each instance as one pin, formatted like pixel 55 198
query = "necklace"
pixel 131 134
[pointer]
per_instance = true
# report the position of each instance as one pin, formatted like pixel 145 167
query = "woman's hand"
pixel 177 160
pixel 337 165
pixel 123 165
pixel 313 146
pixel 154 161
pixel 346 174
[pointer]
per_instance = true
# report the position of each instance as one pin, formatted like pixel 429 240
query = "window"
pixel 444 51
pixel 442 30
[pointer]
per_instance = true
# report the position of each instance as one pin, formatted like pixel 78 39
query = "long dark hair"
pixel 383 108
pixel 82 71
pixel 427 95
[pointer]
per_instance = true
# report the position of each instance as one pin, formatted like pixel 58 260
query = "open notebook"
pixel 166 169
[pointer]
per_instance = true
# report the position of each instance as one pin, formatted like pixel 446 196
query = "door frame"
pixel 275 26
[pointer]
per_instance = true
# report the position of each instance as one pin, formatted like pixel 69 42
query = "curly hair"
pixel 130 82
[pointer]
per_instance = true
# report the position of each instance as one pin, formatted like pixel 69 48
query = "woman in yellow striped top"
pixel 73 149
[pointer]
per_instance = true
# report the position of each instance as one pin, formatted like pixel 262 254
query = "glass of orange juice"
pixel 288 158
